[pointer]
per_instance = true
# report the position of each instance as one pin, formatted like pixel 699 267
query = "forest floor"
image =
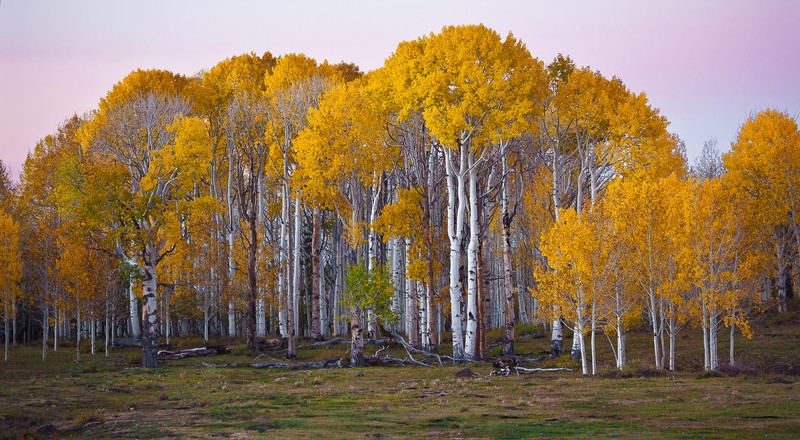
pixel 110 397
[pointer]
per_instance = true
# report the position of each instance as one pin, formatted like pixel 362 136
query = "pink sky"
pixel 706 64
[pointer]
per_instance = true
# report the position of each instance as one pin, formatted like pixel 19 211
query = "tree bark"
pixel 470 351
pixel 316 249
pixel 356 338
pixel 508 278
pixel 149 307
pixel 455 230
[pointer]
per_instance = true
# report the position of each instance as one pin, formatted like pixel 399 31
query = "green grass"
pixel 107 397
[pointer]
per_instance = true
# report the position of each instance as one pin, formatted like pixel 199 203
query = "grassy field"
pixel 112 398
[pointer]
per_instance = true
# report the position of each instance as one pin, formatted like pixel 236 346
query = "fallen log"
pixel 269 344
pixel 334 341
pixel 411 349
pixel 507 370
pixel 190 352
pixel 127 342
pixel 327 363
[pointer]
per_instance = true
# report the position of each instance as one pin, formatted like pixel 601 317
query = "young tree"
pixel 11 275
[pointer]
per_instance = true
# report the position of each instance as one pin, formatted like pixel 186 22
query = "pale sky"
pixel 706 64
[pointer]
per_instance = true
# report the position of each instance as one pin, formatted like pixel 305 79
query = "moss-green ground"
pixel 105 398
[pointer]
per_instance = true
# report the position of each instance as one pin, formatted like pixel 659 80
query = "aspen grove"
pixel 462 187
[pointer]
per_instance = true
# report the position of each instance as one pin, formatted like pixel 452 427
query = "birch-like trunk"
pixel 557 338
pixel 133 303
pixel 578 336
pixel 455 231
pixel 593 330
pixel 654 321
pixel 372 256
pixel 712 340
pixel 316 249
pixel 107 329
pixel 470 352
pixel 733 327
pixel 620 343
pixel 6 321
pixel 13 323
pixel 149 307
pixel 94 331
pixel 298 224
pixel 706 346
pixel 45 325
pixel 396 252
pixel 78 327
pixel 289 298
pixel 324 303
pixel 252 282
pixel 230 236
pixel 356 338
pixel 508 274
pixel 413 315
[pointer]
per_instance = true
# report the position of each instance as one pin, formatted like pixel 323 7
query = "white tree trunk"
pixel 94 331
pixel 455 231
pixel 373 249
pixel 6 321
pixel 654 322
pixel 557 338
pixel 594 328
pixel 136 328
pixel 78 328
pixel 324 319
pixel 231 260
pixel 733 327
pixel 298 223
pixel 261 315
pixel 706 345
pixel 13 323
pixel 472 265
pixel 396 252
pixel 712 340
pixel 149 308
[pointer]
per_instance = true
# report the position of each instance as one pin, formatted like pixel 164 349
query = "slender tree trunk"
pixel 485 308
pixel 712 340
pixel 455 228
pixel 149 308
pixel 94 332
pixel 654 322
pixel 396 252
pixel 706 345
pixel 107 331
pixel 13 323
pixel 230 234
pixel 472 265
pixel 252 282
pixel 413 315
pixel 298 224
pixel 78 328
pixel 373 250
pixel 733 327
pixel 508 278
pixel 324 303
pixel 620 343
pixel 316 249
pixel 594 328
pixel 557 338
pixel 5 322
pixel 136 329
pixel 356 338
pixel 45 326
